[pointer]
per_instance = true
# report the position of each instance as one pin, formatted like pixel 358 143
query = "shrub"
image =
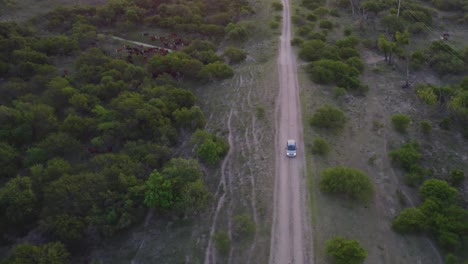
pixel 274 24
pixel 415 175
pixel 456 177
pixel 320 146
pixel 445 123
pixel 244 227
pixel 425 126
pixel 210 148
pixel 400 122
pixel 277 6
pixel 222 242
pixel 338 92
pixel 235 55
pixel 297 41
pixel 409 220
pixel 407 155
pixel 327 71
pixel 311 17
pixel 329 117
pixel 326 24
pixel 349 181
pixel 345 251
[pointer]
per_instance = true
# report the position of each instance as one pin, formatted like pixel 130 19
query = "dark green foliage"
pixel 392 24
pixel 210 148
pixel 438 190
pixel 179 186
pixel 456 177
pixel 400 122
pixel 327 71
pixel 406 156
pixel 348 181
pixel 274 24
pixel 425 126
pixel 158 192
pixel 445 123
pixel 244 227
pixel 238 32
pixel 326 24
pixel 320 146
pixel 18 202
pixel 328 117
pixel 344 251
pixel 235 55
pixel 216 70
pixel 410 220
pixel 8 160
pixel 350 41
pixel 51 253
pixel 277 6
pixel 311 50
pixel 441 215
pixel 222 242
pixel 444 59
pixel 84 144
pixel 297 41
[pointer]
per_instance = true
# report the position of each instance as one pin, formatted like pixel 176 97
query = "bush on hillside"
pixel 349 181
pixel 400 122
pixel 345 251
pixel 329 117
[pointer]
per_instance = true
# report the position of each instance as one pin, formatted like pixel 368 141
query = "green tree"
pixel 400 122
pixel 216 70
pixel 329 117
pixel 243 227
pixel 234 54
pixel 388 47
pixel 18 202
pixel 8 160
pixel 320 146
pixel 209 148
pixel 409 220
pixel 456 177
pixel 438 190
pixel 348 181
pixel 159 193
pixel 344 251
pixel 277 6
pixel 407 155
pixel 425 126
pixel 222 242
pixel 51 253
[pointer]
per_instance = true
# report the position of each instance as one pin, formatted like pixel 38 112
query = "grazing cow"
pixel 145 34
pixel 153 38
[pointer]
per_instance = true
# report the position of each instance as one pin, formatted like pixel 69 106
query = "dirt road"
pixel 291 240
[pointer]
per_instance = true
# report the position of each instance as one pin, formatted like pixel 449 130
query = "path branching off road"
pixel 291 240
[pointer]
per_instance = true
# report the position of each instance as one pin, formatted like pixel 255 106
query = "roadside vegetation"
pixel 344 251
pixel 93 134
pixel 346 43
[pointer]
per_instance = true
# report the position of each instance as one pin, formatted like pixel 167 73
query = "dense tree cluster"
pixel 337 63
pixel 87 149
pixel 454 98
pixel 440 214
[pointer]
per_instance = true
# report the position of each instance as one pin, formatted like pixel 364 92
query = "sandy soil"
pixel 291 235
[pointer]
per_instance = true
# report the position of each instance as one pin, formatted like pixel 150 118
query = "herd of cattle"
pixel 165 45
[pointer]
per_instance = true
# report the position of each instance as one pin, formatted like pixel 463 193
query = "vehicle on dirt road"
pixel 291 149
